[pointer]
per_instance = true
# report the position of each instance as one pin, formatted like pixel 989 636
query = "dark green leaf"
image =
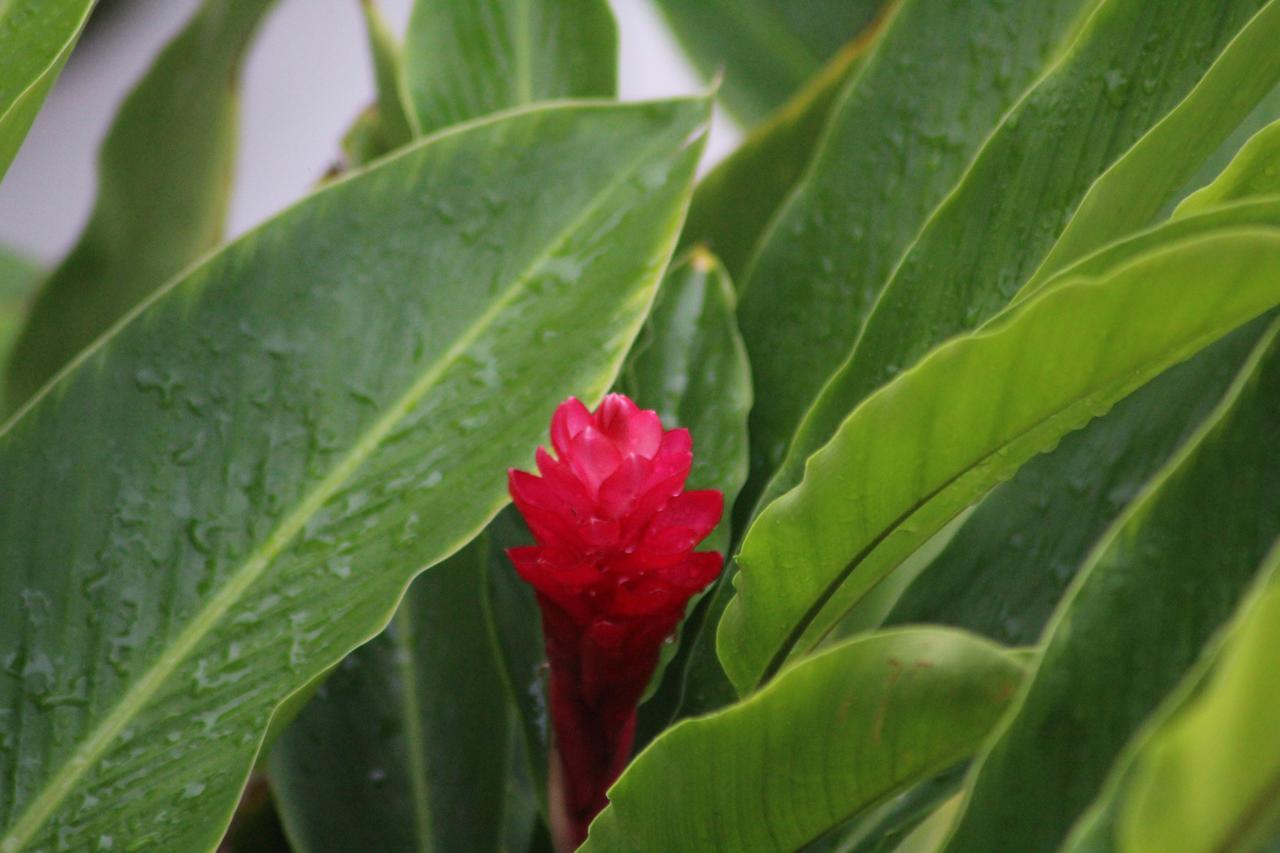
pixel 1204 773
pixel 993 231
pixel 891 709
pixel 405 746
pixel 766 49
pixel 1166 577
pixel 164 186
pixel 230 492
pixel 465 60
pixel 18 280
pixel 901 134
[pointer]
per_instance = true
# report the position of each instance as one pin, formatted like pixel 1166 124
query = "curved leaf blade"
pixel 1168 575
pixel 18 281
pixel 292 432
pixel 36 38
pixel 900 135
pixel 1009 566
pixel 1255 171
pixel 924 447
pixel 892 708
pixel 1040 163
pixel 405 746
pixel 466 60
pixel 164 187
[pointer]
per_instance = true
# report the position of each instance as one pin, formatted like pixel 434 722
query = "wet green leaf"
pixel 230 492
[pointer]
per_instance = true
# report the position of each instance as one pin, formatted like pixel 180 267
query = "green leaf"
pixel 1133 191
pixel 900 135
pixel 1008 567
pixel 927 445
pixel 892 708
pixel 1204 773
pixel 465 60
pixel 691 367
pixel 405 746
pixel 230 492
pixel 765 49
pixel 1005 215
pixel 164 185
pixel 516 627
pixel 385 125
pixel 18 280
pixel 735 202
pixel 1163 580
pixel 36 38
pixel 1254 172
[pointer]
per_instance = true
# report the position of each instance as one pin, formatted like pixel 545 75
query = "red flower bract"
pixel 614 568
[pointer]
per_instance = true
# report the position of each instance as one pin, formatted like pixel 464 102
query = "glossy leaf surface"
pixel 1168 575
pixel 765 49
pixel 405 746
pixel 930 443
pixel 465 60
pixel 1025 185
pixel 256 465
pixel 892 708
pixel 36 38
pixel 901 134
pixel 164 186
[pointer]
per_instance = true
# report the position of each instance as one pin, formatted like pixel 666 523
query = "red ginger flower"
pixel 614 568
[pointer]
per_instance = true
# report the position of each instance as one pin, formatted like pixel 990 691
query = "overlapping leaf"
pixel 891 708
pixel 230 492
pixel 937 81
pixel 927 445
pixel 18 280
pixel 992 232
pixel 1202 775
pixel 1167 576
pixel 164 186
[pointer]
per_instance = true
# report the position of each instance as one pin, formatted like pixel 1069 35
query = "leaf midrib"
pixel 131 703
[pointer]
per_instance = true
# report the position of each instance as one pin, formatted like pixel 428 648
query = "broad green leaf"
pixel 18 280
pixel 36 38
pixel 735 202
pixel 765 49
pixel 887 710
pixel 1164 579
pixel 930 443
pixel 691 367
pixel 465 60
pixel 1254 172
pixel 405 746
pixel 1133 191
pixel 232 490
pixel 1203 774
pixel 1008 567
pixel 1000 221
pixel 936 82
pixel 164 186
